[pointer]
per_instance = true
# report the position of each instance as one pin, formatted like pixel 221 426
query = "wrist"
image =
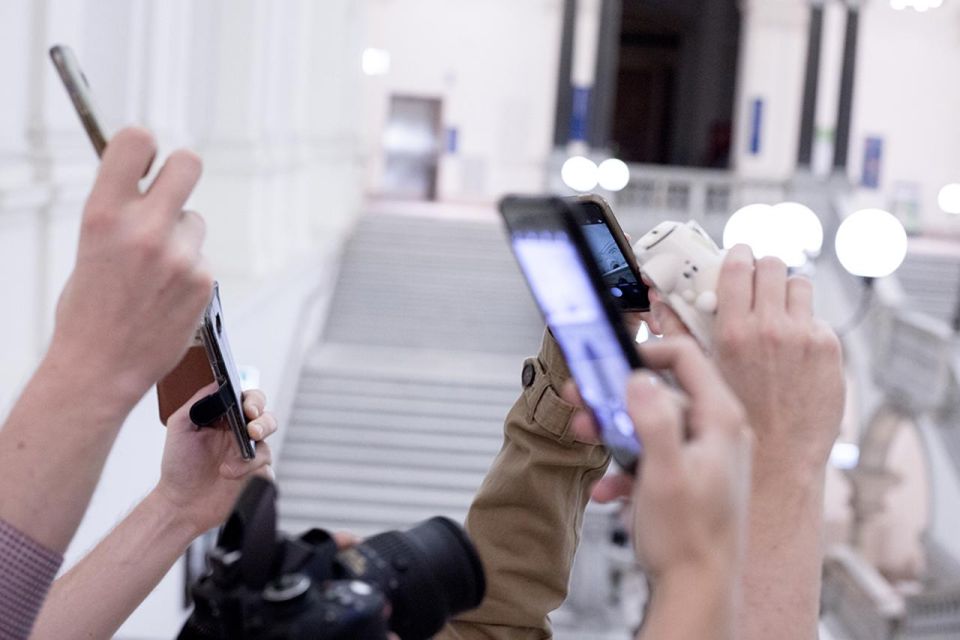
pixel 698 597
pixel 785 479
pixel 86 388
pixel 110 390
pixel 172 517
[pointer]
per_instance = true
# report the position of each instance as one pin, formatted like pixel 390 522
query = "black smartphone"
pixel 612 252
pixel 556 260
pixel 79 90
pixel 225 372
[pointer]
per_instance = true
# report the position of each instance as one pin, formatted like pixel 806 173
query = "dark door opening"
pixel 676 82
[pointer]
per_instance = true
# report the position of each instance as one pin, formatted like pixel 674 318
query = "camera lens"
pixel 429 574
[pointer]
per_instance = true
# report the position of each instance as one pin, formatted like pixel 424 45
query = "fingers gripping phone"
pixel 230 390
pixel 194 371
pixel 209 359
pixel 612 252
pixel 556 260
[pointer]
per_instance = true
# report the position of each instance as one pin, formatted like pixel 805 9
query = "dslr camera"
pixel 267 586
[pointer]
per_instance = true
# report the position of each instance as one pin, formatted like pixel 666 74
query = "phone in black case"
pixel 556 260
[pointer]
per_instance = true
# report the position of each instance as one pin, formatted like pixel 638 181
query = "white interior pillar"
pixel 773 43
pixel 230 40
pixel 828 87
pixel 583 72
pixel 333 117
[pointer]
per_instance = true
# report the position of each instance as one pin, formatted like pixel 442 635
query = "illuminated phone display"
pixel 576 317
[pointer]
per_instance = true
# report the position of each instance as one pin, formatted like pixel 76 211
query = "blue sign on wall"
pixel 872 161
pixel 756 125
pixel 452 139
pixel 580 114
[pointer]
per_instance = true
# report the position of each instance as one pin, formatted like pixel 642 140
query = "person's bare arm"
pixel 202 475
pixel 786 367
pixel 124 318
pixel 690 495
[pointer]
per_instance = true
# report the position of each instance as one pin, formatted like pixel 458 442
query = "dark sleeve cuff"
pixel 27 570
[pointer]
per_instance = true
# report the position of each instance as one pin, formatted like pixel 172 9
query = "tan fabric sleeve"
pixel 526 518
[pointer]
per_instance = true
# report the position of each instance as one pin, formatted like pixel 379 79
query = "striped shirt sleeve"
pixel 27 570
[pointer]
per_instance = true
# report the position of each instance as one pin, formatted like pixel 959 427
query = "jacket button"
pixel 529 374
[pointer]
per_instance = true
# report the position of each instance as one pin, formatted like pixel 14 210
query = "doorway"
pixel 676 82
pixel 411 145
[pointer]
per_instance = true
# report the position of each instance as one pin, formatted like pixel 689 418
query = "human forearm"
pixel 693 604
pixel 785 534
pixel 526 518
pixel 53 447
pixel 136 555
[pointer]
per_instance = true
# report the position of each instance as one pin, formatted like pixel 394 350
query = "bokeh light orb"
pixel 579 173
pixel 613 174
pixel 949 198
pixel 871 243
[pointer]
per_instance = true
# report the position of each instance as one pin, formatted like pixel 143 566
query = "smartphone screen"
pixel 598 355
pixel 618 273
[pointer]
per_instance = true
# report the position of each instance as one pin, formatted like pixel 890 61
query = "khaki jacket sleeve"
pixel 526 518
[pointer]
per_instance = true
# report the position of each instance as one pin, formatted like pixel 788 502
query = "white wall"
pixel 494 65
pixel 268 93
pixel 907 93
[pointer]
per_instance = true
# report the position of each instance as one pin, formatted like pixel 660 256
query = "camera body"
pixel 265 586
pixel 683 263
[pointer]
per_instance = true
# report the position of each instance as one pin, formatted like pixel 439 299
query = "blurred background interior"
pixel 354 151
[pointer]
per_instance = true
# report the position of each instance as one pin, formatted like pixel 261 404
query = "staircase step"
pixel 351 435
pixel 438 406
pixel 371 454
pixel 393 421
pixel 383 475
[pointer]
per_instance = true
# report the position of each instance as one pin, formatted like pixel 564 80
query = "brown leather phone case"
pixel 189 376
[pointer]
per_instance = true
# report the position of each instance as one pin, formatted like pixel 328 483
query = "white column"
pixel 828 87
pixel 20 200
pixel 62 158
pixel 228 44
pixel 584 69
pixel 773 43
pixel 165 67
pixel 333 117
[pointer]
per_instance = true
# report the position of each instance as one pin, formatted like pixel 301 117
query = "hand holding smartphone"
pixel 210 358
pixel 558 264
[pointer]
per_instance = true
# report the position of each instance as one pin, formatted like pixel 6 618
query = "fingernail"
pixel 741 252
pixel 256 431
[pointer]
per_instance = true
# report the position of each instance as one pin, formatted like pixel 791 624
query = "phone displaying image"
pixel 556 260
pixel 612 253
pixel 79 90
pixel 225 372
